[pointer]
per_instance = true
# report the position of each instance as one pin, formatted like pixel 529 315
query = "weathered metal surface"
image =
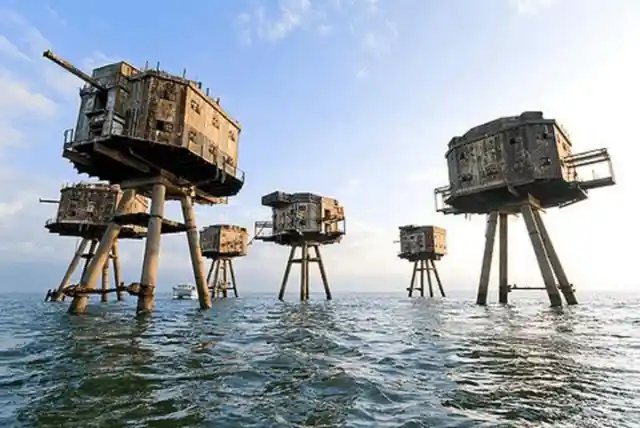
pixel 85 210
pixel 161 108
pixel 224 240
pixel 511 157
pixel 299 217
pixel 422 242
pixel 132 122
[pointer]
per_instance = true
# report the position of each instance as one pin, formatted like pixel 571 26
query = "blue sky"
pixel 355 99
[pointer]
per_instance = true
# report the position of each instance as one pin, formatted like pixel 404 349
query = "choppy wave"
pixel 357 361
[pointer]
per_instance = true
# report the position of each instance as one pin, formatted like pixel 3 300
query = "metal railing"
pixel 440 195
pixel 576 163
pixel 262 230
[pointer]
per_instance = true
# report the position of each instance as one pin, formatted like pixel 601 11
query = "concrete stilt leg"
pixel 225 278
pixel 58 295
pixel 88 256
pixel 490 237
pixel 104 297
pixel 323 273
pixel 435 273
pixel 427 271
pixel 565 286
pixel 413 279
pixel 287 271
pixel 541 256
pixel 117 279
pixel 213 264
pixel 421 270
pixel 197 263
pixel 148 278
pixel 79 303
pixel 216 277
pixel 503 266
pixel 233 279
pixel 304 273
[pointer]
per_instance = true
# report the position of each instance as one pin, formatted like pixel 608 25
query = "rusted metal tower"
pixel 302 220
pixel 520 165
pixel 423 246
pixel 158 135
pixel 222 243
pixel 84 211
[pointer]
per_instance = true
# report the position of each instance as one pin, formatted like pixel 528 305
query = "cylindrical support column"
pixel 117 279
pixel 323 273
pixel 216 276
pixel 104 297
pixel 287 271
pixel 149 277
pixel 541 256
pixel 225 278
pixel 304 272
pixel 503 266
pixel 197 263
pixel 565 286
pixel 79 303
pixel 77 256
pixel 233 279
pixel 435 273
pixel 421 269
pixel 413 278
pixel 213 263
pixel 88 256
pixel 489 243
pixel 428 272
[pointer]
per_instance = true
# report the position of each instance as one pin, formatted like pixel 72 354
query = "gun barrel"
pixel 73 70
pixel 48 201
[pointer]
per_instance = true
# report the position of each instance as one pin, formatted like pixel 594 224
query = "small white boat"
pixel 185 291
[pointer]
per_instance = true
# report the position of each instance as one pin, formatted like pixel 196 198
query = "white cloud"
pixel 55 15
pixel 365 19
pixel 362 73
pixel 18 100
pixel 29 44
pixel 324 29
pixel 30 36
pixel 373 32
pixel 289 16
pixel 530 7
pixel 11 50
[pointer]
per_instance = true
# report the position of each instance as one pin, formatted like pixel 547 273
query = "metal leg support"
pixel 541 256
pixel 323 272
pixel 148 278
pixel 80 302
pixel 503 267
pixel 58 296
pixel 196 253
pixel 565 286
pixel 287 271
pixel 490 237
